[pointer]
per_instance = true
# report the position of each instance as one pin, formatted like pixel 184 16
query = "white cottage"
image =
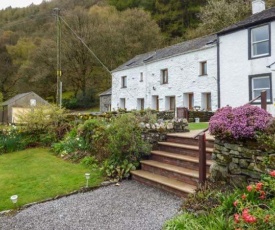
pixel 182 75
pixel 246 56
pixel 230 68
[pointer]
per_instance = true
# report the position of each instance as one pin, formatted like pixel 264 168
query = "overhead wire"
pixel 97 58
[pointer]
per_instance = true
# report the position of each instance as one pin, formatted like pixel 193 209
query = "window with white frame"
pixel 203 68
pixel 259 83
pixel 164 76
pixel 206 101
pixel 122 103
pixel 140 103
pixel 259 41
pixel 124 82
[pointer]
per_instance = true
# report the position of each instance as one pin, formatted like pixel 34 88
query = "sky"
pixel 17 3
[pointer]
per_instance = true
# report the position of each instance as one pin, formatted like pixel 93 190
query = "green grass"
pixel 195 126
pixel 36 175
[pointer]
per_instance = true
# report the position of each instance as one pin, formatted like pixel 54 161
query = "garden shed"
pixel 21 103
pixel 105 100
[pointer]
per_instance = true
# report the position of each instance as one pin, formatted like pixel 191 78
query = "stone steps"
pixel 174 165
pixel 170 185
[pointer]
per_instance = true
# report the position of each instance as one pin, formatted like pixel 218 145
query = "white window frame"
pixel 253 43
pixel 252 89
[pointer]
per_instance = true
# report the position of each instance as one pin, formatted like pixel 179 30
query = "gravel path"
pixel 130 206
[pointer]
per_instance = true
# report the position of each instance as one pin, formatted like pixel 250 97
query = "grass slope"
pixel 36 174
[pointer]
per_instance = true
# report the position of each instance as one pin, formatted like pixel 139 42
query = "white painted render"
pixel 235 68
pixel 258 6
pixel 183 77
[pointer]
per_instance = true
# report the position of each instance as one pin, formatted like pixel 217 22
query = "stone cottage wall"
pixel 238 165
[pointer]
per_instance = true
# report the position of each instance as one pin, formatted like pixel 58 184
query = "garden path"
pixel 130 206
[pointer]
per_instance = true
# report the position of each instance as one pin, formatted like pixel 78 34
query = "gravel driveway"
pixel 125 207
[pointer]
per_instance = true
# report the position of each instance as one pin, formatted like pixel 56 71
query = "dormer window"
pixel 259 41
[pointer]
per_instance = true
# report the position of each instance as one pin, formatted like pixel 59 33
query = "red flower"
pixel 247 217
pixel 244 196
pixel 272 173
pixel 259 186
pixel 236 218
pixel 235 203
pixel 249 188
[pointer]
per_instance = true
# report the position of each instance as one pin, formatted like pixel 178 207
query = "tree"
pixel 218 14
pixel 8 70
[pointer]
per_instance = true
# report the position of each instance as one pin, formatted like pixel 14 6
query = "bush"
pixel 11 139
pixel 266 139
pixel 239 123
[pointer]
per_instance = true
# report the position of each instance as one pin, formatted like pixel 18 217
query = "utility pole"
pixel 58 56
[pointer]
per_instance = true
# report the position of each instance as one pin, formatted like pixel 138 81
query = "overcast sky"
pixel 17 3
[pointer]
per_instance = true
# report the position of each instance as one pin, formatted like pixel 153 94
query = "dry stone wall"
pixel 238 164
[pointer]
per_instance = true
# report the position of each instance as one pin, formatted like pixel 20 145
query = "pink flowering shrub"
pixel 238 123
pixel 255 208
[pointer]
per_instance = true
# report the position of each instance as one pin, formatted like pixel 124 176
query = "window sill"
pixel 260 56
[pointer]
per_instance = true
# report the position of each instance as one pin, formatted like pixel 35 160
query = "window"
pixel 155 102
pixel 188 100
pixel 206 101
pixel 141 77
pixel 258 83
pixel 122 103
pixel 140 103
pixel 124 82
pixel 164 76
pixel 203 68
pixel 259 41
pixel 170 103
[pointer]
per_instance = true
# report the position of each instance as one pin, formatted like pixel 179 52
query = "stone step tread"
pixel 172 183
pixel 179 157
pixel 184 146
pixel 191 134
pixel 171 168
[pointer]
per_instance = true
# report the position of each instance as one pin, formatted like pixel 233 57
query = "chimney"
pixel 258 6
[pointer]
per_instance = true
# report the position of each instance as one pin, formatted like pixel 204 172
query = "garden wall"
pixel 238 164
pixel 157 132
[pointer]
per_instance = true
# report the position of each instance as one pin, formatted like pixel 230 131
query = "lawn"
pixel 36 175
pixel 195 126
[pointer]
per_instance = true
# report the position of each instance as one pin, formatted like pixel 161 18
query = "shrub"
pixel 238 123
pixel 11 139
pixel 266 139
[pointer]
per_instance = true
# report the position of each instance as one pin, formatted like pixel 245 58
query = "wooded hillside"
pixel 113 30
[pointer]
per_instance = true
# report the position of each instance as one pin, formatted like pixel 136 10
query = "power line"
pixel 80 39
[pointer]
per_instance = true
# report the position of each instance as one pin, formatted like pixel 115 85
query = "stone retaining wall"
pixel 238 165
pixel 157 132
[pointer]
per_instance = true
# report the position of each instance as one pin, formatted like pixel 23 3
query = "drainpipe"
pixel 218 73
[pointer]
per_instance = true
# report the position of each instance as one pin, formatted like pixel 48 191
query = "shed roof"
pixel 255 19
pixel 16 97
pixel 107 92
pixel 180 48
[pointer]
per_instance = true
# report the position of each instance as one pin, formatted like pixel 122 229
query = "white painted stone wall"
pixel 235 68
pixel 183 75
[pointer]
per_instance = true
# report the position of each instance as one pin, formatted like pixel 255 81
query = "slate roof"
pixel 15 98
pixel 169 51
pixel 255 19
pixel 106 93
